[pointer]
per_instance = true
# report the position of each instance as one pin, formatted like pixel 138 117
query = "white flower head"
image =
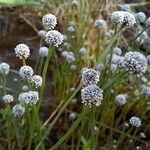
pixel 125 7
pixel 117 17
pixel 42 33
pixel 4 68
pixel 135 62
pixel 91 95
pixel 18 110
pixel 71 29
pixel 82 51
pixel 73 67
pixel 43 51
pixel 100 23
pixel 90 76
pixel 145 90
pixel 141 17
pixel 8 98
pixel 100 67
pixel 49 21
pixel 121 99
pixel 29 98
pixel 36 80
pixel 129 19
pixel 22 51
pixel 54 37
pixel 135 121
pixel 117 51
pixel 70 57
pixel 26 72
pixel 123 17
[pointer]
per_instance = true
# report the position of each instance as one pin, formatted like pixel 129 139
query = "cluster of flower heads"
pixel 29 98
pixel 51 36
pixel 91 94
pixel 117 59
pixel 123 17
pixel 133 62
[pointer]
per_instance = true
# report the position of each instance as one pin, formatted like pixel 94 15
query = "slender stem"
pixel 23 61
pixel 59 113
pixel 73 127
pixel 17 134
pixel 44 76
pixel 92 127
pixel 30 131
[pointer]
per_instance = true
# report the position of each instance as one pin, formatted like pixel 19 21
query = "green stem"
pixel 59 114
pixel 73 127
pixel 44 76
pixel 17 134
pixel 23 61
pixel 92 127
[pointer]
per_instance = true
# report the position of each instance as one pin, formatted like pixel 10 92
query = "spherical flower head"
pixel 26 72
pixel 64 54
pixel 123 17
pixel 90 76
pixel 29 98
pixel 71 29
pixel 135 121
pixel 22 51
pixel 70 57
pixel 145 90
pixel 117 17
pixel 73 67
pixel 141 17
pixel 135 62
pixel 83 51
pixel 117 60
pixel 43 51
pixel 4 68
pixel 8 98
pixel 18 110
pixel 100 67
pixel 129 19
pixel 54 37
pixel 125 7
pixel 49 21
pixel 101 24
pixel 25 88
pixel 91 95
pixel 121 99
pixel 117 51
pixel 147 22
pixel 42 33
pixel 36 80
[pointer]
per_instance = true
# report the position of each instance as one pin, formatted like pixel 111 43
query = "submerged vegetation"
pixel 86 86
